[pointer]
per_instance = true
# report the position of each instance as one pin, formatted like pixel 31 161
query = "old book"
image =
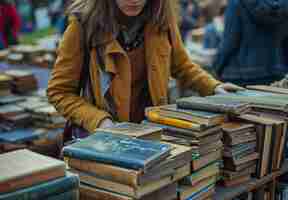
pixel 266 88
pixel 240 161
pixel 179 123
pixel 140 131
pixel 11 99
pixel 119 150
pixel 135 192
pixel 90 193
pixel 29 169
pixel 180 156
pixel 201 174
pixel 71 195
pixel 210 147
pixel 236 127
pixel 239 138
pixel 194 116
pixel 241 167
pixel 205 160
pixel 230 175
pixel 182 132
pixel 213 105
pixel 240 149
pixel 237 182
pixel 264 130
pixel 45 190
pixel 191 192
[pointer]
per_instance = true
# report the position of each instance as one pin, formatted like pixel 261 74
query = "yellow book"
pixel 154 116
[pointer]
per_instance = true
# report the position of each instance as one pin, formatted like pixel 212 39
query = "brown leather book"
pixel 23 168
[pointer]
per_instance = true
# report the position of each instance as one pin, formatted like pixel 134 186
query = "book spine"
pixel 36 178
pixel 108 172
pixel 155 117
pixel 44 190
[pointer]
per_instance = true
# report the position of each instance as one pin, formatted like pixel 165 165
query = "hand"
pixel 106 123
pixel 225 88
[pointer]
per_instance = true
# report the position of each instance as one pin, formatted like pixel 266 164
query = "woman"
pixel 135 46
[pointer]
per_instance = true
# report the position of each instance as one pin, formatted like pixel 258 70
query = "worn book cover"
pixel 140 131
pixel 45 190
pixel 119 150
pixel 213 105
pixel 267 88
pixel 21 135
pixel 24 168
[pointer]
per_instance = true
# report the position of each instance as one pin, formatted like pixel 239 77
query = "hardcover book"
pixel 140 131
pixel 119 150
pixel 45 190
pixel 23 168
pixel 213 105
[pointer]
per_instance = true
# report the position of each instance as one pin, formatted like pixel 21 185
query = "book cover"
pixel 140 131
pixel 45 190
pixel 69 195
pixel 119 150
pixel 24 168
pixel 213 105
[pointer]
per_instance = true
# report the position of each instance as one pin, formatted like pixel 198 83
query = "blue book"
pixel 69 195
pixel 45 190
pixel 21 135
pixel 119 150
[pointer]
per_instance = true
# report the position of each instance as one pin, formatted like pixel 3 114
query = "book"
pixel 23 168
pixel 140 131
pixel 237 139
pixel 195 116
pixel 119 150
pixel 205 160
pixel 231 175
pixel 21 135
pixel 135 192
pixel 179 123
pixel 190 192
pixel 236 182
pixel 203 173
pixel 205 194
pixel 266 88
pixel 236 127
pixel 11 99
pixel 180 156
pixel 213 105
pixel 45 190
pixel 90 193
pixel 182 132
pixel 231 161
pixel 239 168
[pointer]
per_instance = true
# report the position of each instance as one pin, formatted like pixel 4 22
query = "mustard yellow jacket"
pixel 165 56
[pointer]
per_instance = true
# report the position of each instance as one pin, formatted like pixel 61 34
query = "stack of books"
pixel 24 54
pixel 116 166
pixel 44 115
pixel 240 153
pixel 5 82
pixel 199 130
pixel 13 117
pixel 23 81
pixel 28 175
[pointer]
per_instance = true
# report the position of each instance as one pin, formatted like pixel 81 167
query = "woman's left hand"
pixel 225 88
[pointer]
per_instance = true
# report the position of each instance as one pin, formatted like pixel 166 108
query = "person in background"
pixel 251 51
pixel 214 31
pixel 134 46
pixel 190 15
pixel 9 24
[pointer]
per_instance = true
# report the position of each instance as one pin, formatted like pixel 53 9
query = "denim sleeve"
pixel 231 37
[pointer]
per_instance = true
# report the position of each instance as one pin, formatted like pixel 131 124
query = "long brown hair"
pixel 99 16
